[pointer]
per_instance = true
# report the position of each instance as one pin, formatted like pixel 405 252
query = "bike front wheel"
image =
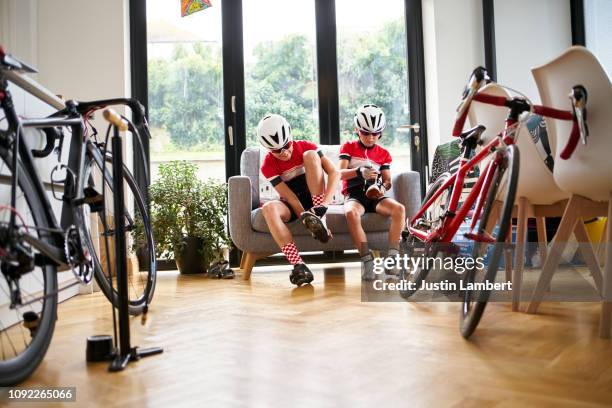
pixel 431 220
pixel 494 223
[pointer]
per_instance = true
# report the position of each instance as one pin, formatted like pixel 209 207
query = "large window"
pixel 280 65
pixel 598 30
pixel 185 87
pixel 372 68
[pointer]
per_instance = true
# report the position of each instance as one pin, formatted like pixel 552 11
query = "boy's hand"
pixel 367 173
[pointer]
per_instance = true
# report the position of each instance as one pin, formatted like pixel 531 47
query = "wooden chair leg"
pixel 247 267
pixel 249 263
pixel 601 247
pixel 519 260
pixel 606 306
pixel 588 253
pixel 568 221
pixel 508 254
pixel 542 238
pixel 242 260
pixel 543 243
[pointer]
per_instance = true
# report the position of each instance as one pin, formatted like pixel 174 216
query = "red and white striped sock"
pixel 317 199
pixel 292 254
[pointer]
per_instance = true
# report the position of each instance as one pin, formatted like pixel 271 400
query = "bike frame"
pixel 453 219
pixel 79 148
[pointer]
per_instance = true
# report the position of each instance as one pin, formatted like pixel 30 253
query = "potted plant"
pixel 188 217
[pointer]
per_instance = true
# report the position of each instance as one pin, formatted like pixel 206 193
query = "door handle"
pixel 233 104
pixel 416 128
pixel 406 128
pixel 230 135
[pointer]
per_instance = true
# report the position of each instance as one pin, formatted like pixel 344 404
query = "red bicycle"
pixel 435 225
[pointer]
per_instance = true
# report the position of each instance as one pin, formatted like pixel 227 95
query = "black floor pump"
pixel 125 352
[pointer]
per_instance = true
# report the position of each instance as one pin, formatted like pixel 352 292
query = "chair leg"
pixel 568 221
pixel 519 260
pixel 508 254
pixel 606 306
pixel 242 260
pixel 601 247
pixel 588 254
pixel 542 242
pixel 249 263
pixel 542 238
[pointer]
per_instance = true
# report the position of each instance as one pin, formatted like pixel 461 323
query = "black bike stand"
pixel 125 352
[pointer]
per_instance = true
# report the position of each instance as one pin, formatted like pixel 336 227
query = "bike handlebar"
pixel 577 116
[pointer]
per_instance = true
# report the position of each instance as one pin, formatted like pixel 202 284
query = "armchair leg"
pixel 248 262
pixel 242 260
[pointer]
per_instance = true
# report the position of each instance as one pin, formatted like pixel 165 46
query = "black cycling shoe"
pixel 314 222
pixel 300 275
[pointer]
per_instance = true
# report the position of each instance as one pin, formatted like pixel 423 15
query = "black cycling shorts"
pixel 359 196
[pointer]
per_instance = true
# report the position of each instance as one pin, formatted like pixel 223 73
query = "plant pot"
pixel 189 260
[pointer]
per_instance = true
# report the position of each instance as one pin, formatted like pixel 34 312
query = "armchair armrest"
pixel 407 190
pixel 239 212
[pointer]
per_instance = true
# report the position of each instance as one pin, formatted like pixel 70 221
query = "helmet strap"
pixel 364 146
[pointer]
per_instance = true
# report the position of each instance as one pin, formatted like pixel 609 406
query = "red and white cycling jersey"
pixel 377 157
pixel 291 171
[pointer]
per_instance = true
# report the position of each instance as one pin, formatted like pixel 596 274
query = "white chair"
pixel 537 193
pixel 587 175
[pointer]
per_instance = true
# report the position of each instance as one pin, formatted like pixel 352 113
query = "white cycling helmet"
pixel 370 118
pixel 274 132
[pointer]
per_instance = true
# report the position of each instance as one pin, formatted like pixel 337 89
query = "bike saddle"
pixel 8 61
pixel 472 134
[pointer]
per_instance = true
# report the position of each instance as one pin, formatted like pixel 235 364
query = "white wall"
pixel 598 27
pixel 88 38
pixel 529 33
pixel 81 50
pixel 454 46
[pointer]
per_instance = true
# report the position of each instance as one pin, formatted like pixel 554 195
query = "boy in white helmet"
pixel 295 169
pixel 366 176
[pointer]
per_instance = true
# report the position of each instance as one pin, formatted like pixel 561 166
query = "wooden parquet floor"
pixel 263 343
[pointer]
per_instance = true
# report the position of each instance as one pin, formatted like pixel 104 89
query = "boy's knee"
pixel 352 214
pixel 268 209
pixel 399 211
pixel 310 156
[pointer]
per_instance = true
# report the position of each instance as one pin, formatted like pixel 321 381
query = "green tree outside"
pixel 186 91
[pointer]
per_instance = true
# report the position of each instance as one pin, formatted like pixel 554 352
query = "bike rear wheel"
pixel 475 301
pixel 25 331
pixel 139 238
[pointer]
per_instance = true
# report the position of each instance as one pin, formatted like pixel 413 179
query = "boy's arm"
pixel 285 192
pixel 333 177
pixel 386 178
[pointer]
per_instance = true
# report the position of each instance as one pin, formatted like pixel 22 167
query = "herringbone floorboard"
pixel 263 343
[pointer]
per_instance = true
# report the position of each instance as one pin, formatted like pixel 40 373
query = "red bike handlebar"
pixel 539 109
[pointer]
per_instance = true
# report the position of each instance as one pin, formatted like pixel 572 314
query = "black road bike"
pixel 34 247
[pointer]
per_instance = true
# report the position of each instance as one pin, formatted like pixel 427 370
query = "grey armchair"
pixel 250 233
